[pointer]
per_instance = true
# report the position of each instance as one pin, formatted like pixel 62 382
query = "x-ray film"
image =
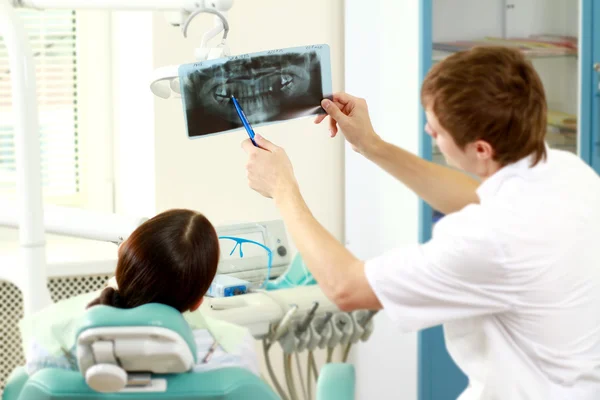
pixel 271 86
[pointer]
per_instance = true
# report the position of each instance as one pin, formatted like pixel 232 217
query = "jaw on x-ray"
pixel 270 86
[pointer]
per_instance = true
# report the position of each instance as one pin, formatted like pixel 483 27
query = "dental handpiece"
pixel 324 323
pixel 365 321
pixel 307 319
pixel 282 327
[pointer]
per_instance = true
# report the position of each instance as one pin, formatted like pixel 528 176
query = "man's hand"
pixel 269 169
pixel 352 115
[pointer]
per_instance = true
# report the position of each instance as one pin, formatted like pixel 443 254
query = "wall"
pixel 133 122
pixel 382 66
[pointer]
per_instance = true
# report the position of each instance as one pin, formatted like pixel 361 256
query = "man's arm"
pixel 445 189
pixel 339 273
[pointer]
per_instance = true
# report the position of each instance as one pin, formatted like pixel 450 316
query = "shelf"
pixel 535 46
pixel 439 55
pixel 562 122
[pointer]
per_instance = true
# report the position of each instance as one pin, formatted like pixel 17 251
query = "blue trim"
pixel 592 86
pixel 586 116
pixel 425 56
pixel 425 355
pixel 439 378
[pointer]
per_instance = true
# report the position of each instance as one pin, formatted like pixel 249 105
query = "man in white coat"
pixel 511 270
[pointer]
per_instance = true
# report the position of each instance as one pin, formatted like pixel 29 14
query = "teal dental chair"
pixel 148 353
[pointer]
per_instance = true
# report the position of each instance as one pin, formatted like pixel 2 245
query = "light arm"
pixel 29 211
pixel 79 223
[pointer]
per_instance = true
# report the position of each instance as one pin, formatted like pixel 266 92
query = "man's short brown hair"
pixel 492 94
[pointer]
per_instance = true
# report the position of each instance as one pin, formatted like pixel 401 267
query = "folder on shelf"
pixel 534 46
pixel 563 122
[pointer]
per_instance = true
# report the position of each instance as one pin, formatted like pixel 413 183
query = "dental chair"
pixel 148 353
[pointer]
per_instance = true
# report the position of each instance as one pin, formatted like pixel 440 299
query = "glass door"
pixel 548 33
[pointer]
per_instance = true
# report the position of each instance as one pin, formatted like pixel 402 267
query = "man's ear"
pixel 197 304
pixel 484 150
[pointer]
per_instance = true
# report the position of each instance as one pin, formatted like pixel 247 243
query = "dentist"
pixel 510 270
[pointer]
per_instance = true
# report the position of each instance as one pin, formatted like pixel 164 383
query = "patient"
pixel 170 259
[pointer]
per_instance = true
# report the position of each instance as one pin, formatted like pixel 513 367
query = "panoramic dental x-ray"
pixel 270 86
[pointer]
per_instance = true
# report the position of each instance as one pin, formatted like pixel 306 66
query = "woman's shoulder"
pixel 211 354
pixel 230 336
pixel 232 341
pixel 54 327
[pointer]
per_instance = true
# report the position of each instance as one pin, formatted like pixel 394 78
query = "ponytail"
pixel 109 297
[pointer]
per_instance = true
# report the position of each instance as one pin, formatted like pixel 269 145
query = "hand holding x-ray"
pixel 352 115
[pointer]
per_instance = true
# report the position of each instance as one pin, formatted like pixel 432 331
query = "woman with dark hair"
pixel 170 259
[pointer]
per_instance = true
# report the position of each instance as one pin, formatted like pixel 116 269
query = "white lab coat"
pixel 515 280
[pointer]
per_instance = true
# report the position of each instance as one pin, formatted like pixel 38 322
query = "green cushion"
pixel 222 384
pixel 14 384
pixel 336 382
pixel 296 275
pixel 152 314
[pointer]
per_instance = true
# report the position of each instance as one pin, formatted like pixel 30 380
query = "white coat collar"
pixel 489 187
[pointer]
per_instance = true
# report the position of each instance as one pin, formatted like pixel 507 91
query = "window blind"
pixel 52 35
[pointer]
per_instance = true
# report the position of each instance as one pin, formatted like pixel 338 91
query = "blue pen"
pixel 242 116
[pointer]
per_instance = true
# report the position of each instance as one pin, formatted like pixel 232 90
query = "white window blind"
pixel 52 34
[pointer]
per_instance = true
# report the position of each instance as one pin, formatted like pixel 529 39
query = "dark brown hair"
pixel 170 259
pixel 492 94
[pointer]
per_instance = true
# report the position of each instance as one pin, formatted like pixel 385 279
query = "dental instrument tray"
pixel 271 86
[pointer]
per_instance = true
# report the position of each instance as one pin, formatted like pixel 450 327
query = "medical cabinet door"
pixel 557 36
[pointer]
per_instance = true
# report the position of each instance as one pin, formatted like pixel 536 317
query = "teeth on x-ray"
pixel 266 86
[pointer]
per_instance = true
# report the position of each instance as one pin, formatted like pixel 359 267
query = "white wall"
pixel 382 66
pixel 133 122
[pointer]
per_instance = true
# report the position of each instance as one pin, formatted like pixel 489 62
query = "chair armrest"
pixel 337 381
pixel 14 384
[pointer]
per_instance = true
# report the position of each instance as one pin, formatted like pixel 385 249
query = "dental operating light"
pixel 165 80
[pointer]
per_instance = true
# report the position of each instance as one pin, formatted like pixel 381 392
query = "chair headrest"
pixel 152 338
